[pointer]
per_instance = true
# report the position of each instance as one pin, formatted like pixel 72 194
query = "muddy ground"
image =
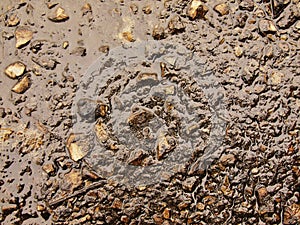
pixel 252 48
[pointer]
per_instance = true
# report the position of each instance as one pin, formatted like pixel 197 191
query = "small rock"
pixel 166 213
pixel 183 205
pixel 12 20
pixel 101 132
pixel 124 219
pixel 189 183
pixel 222 9
pixel 87 8
pixel 136 157
pixel 117 204
pixel 23 36
pixel 76 152
pixel 71 181
pixel 158 32
pixel 247 5
pixel 59 15
pixel 165 145
pixel 255 171
pixel 37 45
pixel 134 8
pixel 147 9
pixel 8 208
pixel 40 208
pixel 238 51
pixel 275 78
pixel 266 26
pixel 104 49
pixel 79 51
pixel 197 9
pixel 158 219
pixel 22 85
pixel 128 36
pixel 65 44
pixel 45 62
pixel 15 70
pixel 200 206
pixel 241 19
pixel 101 110
pixel 175 25
pixel 228 159
pixel 49 168
pixel 297 25
pixel 139 117
pixel 262 193
pixel 147 76
pixel 225 188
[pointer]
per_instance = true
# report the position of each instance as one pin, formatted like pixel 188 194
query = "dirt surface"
pixel 51 173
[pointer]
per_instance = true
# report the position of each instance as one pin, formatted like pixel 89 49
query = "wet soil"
pixel 48 173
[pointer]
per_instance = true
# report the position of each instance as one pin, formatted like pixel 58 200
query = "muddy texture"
pixel 252 48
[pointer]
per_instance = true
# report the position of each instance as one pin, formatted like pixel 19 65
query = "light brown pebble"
pixel 222 9
pixel 59 15
pixel 15 70
pixel 22 85
pixel 23 36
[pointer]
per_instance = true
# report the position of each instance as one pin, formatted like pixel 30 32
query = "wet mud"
pixel 78 147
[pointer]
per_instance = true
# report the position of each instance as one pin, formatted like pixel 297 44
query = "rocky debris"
pixel 290 16
pixel 8 208
pixel 49 168
pixel 261 194
pixel 22 86
pixel 65 44
pixel 75 148
pixel 71 181
pixel 59 15
pixel 101 131
pixel 197 9
pixel 15 70
pixel 128 36
pixel 141 116
pixel 266 26
pixel 227 159
pixel 238 51
pixel 23 36
pixel 147 76
pixel 36 46
pixel 247 5
pixel 134 8
pixel 222 9
pixel 165 144
pixel 158 32
pixel 104 49
pixel 86 9
pixel 176 25
pixel 136 157
pixel 292 214
pixel 79 51
pixel 45 62
pixel 241 19
pixel 189 184
pixel 101 110
pixel 147 9
pixel 276 77
pixel 12 20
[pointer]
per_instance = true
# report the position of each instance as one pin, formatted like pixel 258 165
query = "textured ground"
pixel 251 46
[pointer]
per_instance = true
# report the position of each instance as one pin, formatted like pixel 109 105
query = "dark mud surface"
pixel 149 111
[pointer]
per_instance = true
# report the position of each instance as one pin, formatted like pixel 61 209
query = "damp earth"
pixel 149 112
